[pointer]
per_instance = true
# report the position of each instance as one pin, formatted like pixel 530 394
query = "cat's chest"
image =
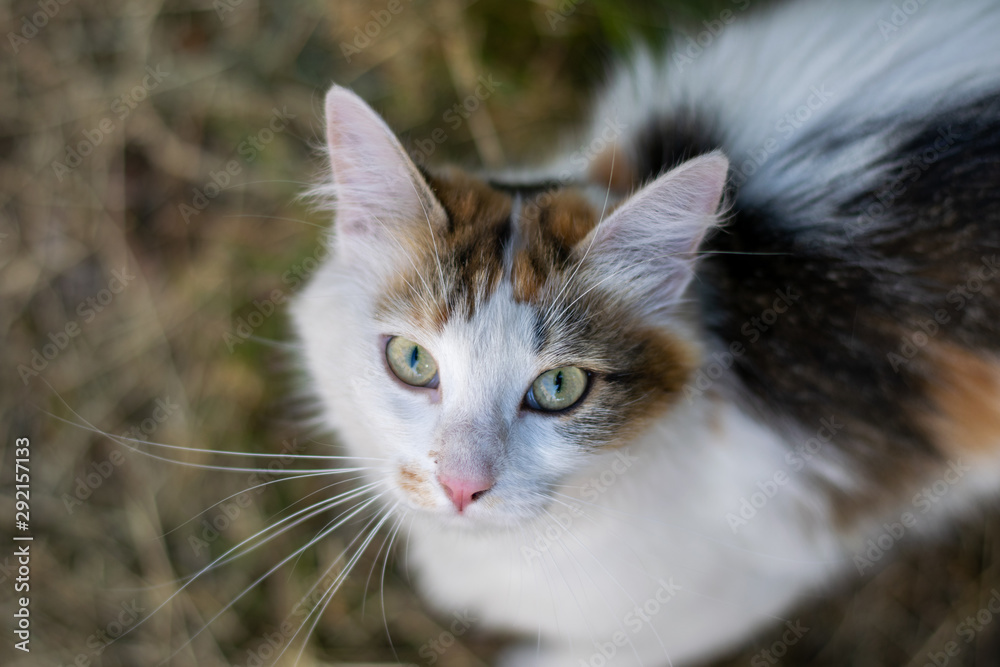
pixel 645 526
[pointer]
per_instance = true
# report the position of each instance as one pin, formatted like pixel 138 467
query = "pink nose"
pixel 463 491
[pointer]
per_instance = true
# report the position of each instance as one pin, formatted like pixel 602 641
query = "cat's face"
pixel 483 345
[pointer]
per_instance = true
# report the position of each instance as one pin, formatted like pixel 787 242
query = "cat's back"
pixel 859 275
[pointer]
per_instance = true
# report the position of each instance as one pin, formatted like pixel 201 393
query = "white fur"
pixel 765 65
pixel 666 517
pixel 658 515
pixel 661 518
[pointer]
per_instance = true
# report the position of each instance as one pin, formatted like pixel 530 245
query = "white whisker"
pixel 328 596
pixel 264 576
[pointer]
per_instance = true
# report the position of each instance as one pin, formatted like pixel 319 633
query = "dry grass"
pixel 223 68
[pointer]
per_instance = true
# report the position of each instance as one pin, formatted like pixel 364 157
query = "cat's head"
pixel 484 344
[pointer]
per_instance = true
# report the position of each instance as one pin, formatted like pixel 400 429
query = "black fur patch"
pixel 527 189
pixel 861 284
pixel 665 142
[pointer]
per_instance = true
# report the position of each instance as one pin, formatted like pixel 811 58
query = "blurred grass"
pixel 223 67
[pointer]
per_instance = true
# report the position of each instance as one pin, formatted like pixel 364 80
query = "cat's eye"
pixel 410 362
pixel 557 389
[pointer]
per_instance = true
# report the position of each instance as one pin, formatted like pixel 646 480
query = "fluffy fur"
pixel 764 394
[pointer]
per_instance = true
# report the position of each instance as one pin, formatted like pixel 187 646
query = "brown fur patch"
pixel 457 260
pixel 551 225
pixel 469 201
pixel 613 169
pixel 662 366
pixel 961 415
pixel 639 371
pixel 414 483
pixel 472 245
pixel 966 392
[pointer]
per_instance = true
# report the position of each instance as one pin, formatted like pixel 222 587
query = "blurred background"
pixel 152 155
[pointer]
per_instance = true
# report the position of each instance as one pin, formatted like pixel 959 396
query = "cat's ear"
pixel 381 199
pixel 651 242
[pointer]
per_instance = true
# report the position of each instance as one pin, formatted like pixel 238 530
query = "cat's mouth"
pixel 466 507
pixel 457 497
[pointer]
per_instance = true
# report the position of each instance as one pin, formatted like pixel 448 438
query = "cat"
pixel 636 403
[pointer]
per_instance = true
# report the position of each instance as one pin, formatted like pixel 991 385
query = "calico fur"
pixel 826 340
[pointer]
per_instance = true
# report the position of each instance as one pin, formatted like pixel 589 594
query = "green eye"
pixel 411 363
pixel 557 389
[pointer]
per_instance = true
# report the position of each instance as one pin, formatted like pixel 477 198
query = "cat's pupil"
pixel 559 381
pixel 414 357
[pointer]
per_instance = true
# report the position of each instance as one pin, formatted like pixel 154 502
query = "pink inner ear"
pixel 356 135
pixel 651 241
pixel 701 181
pixel 375 183
pixel 673 213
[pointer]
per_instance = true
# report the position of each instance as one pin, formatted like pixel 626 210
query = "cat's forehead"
pixel 489 237
pixel 497 287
